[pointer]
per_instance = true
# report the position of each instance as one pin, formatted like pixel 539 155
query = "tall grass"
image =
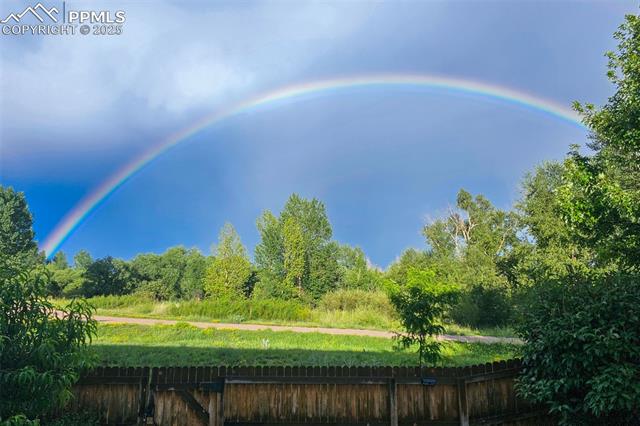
pixel 339 309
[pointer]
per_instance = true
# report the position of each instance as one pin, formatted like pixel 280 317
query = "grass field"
pixel 182 344
pixel 363 311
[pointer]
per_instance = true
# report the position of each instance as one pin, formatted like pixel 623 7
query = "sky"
pixel 385 160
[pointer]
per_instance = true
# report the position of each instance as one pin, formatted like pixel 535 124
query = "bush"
pixel 483 306
pixel 241 310
pixel 113 302
pixel 582 351
pixel 41 352
pixel 352 300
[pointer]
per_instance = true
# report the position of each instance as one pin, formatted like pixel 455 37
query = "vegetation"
pixel 41 352
pixel 583 324
pixel 421 302
pixel 182 344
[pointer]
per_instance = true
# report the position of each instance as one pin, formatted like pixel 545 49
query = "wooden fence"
pixel 481 394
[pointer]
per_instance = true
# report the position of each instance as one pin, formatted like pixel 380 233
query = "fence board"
pixel 217 396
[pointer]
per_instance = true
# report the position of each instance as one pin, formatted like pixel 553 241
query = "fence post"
pixel 393 402
pixel 463 410
pixel 217 417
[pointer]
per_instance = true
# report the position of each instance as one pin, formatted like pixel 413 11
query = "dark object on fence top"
pixel 190 374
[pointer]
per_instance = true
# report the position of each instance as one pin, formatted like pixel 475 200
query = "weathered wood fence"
pixel 481 394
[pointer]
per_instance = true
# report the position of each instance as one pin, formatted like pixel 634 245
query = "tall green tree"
pixel 295 262
pixel 467 247
pixel 17 246
pixel 356 271
pixel 296 250
pixel 230 269
pixel 176 273
pixel 546 249
pixel 601 196
pixel 582 343
pixel 82 260
pixel 108 276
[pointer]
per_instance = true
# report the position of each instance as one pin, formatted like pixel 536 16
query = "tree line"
pixel 295 259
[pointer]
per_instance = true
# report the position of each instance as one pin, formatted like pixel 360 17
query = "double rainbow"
pixel 90 202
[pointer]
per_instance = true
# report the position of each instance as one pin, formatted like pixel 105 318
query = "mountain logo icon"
pixel 38 11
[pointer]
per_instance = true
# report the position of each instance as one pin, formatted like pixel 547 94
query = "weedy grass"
pixel 341 309
pixel 182 344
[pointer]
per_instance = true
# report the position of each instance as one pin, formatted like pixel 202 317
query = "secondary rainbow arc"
pixel 91 201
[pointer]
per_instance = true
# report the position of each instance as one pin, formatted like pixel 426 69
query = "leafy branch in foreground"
pixel 42 349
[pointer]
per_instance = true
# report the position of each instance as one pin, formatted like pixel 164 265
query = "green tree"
pixel 468 246
pixel 582 351
pixel 601 195
pixel 17 246
pixel 176 273
pixel 230 269
pixel 309 231
pixel 107 276
pixel 64 280
pixel 409 259
pixel 82 260
pixel 546 249
pixel 41 352
pixel 294 253
pixel 356 271
pixel 421 303
pixel 192 283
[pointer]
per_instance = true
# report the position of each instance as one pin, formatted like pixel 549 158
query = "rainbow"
pixel 93 200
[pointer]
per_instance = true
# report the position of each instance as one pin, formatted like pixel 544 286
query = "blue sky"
pixel 75 109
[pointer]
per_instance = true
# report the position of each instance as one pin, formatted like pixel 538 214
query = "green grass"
pixel 341 309
pixel 182 344
pixel 461 330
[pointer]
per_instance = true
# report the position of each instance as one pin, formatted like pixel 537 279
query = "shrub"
pixel 41 352
pixel 582 351
pixel 483 306
pixel 241 310
pixel 351 300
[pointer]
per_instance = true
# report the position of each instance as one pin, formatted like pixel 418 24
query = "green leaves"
pixel 230 269
pixel 600 197
pixel 421 302
pixel 582 352
pixel 296 257
pixel 42 349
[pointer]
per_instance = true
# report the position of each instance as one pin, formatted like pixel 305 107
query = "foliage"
pixel 107 276
pixel 583 329
pixel 356 271
pixel 582 352
pixel 17 247
pixel 81 418
pixel 41 351
pixel 351 300
pixel 421 303
pixel 176 273
pixel 295 256
pixel 227 274
pixel 601 196
pixel 467 247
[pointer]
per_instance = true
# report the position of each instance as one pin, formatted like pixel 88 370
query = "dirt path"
pixel 297 329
